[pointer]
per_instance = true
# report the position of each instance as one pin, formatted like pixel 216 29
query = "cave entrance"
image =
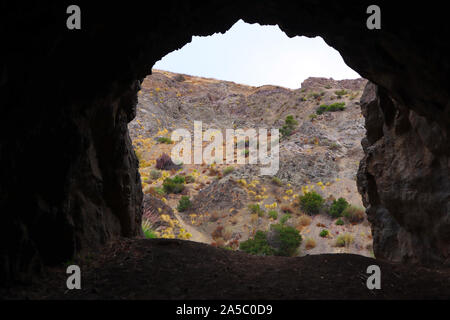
pixel 237 81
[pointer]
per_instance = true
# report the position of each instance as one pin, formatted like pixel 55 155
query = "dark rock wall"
pixel 405 181
pixel 68 176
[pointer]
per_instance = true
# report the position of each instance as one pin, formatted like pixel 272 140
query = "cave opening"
pixel 248 78
pixel 74 124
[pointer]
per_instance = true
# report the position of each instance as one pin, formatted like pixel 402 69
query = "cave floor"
pixel 176 269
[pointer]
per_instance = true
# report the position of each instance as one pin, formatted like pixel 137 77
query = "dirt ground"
pixel 176 269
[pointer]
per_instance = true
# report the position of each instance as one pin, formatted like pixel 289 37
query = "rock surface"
pixel 405 182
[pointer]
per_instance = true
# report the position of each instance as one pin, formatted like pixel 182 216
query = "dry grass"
pixel 354 214
pixel 227 232
pixel 217 233
pixel 304 220
pixel 287 209
pixel 310 243
pixel 344 240
pixel 234 220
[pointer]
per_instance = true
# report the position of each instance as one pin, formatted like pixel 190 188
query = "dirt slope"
pixel 187 270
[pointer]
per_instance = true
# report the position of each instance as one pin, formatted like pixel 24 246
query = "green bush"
pixel 311 202
pixel 160 191
pixel 312 116
pixel 273 214
pixel 285 218
pixel 287 241
pixel 171 186
pixel 165 140
pixel 337 106
pixel 340 222
pixel 337 207
pixel 179 179
pixel 155 174
pixel 255 208
pixel 287 238
pixel 340 93
pixel 189 179
pixel 324 233
pixel 149 234
pixel 277 181
pixel 184 204
pixel 288 127
pixel 258 245
pixel 228 170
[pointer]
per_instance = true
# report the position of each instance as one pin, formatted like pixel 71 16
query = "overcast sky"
pixel 256 55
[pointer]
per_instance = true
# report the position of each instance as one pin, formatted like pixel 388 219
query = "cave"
pixel 69 179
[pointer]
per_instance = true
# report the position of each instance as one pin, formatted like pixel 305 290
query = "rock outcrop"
pixel 404 181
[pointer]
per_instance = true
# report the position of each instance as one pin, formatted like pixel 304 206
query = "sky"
pixel 256 55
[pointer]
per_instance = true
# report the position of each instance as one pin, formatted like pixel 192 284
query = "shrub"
pixel 155 174
pixel 256 209
pixel 315 95
pixel 288 127
pixel 285 218
pixel 287 209
pixel 179 78
pixel 217 233
pixel 311 202
pixel 164 162
pixel 304 220
pixel 179 179
pixel 324 233
pixel 337 106
pixel 258 245
pixel 340 93
pixel 344 240
pixel 354 214
pixel 340 222
pixel 170 186
pixel 227 170
pixel 273 214
pixel 310 243
pixel 286 239
pixel 184 204
pixel 212 171
pixel 147 229
pixel 227 233
pixel 165 140
pixel 312 116
pixel 334 146
pixel 277 181
pixel 337 207
pixel 189 179
pixel 150 234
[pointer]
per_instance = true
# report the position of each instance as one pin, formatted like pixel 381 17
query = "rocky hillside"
pixel 321 153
